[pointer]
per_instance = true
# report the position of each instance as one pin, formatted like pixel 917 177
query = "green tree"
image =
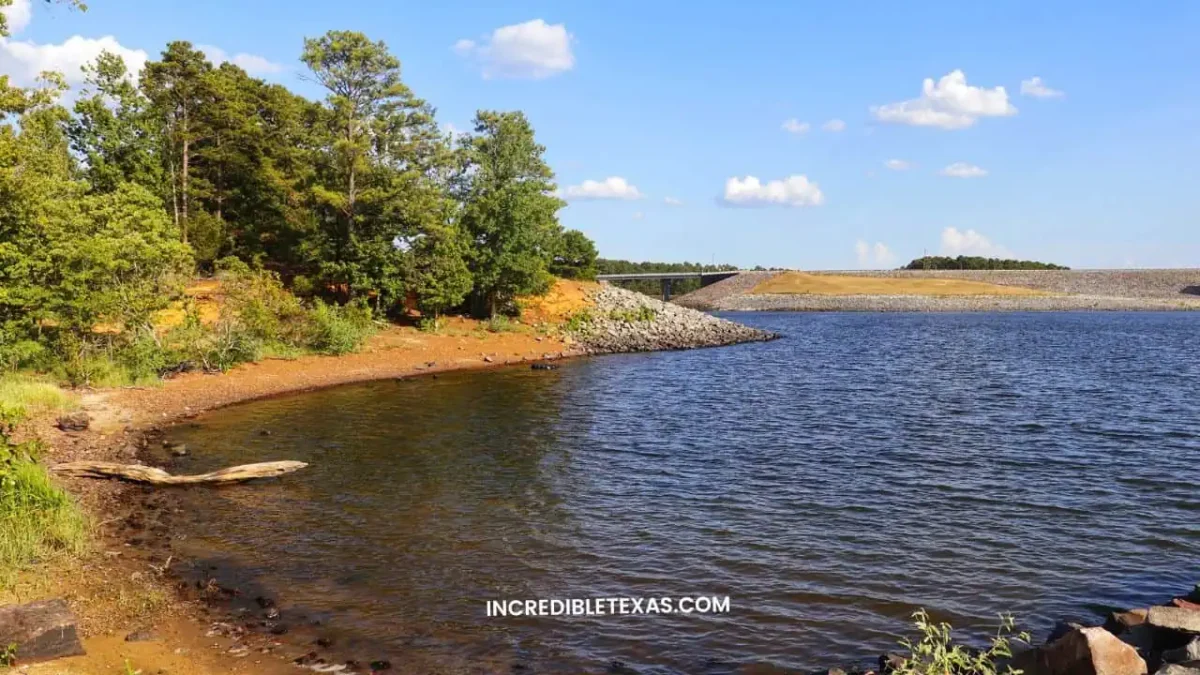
pixel 112 131
pixel 441 277
pixel 378 178
pixel 509 210
pixel 574 256
pixel 178 88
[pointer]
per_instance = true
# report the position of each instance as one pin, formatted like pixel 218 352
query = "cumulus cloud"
pixel 949 103
pixel 613 187
pixel 251 63
pixel 672 201
pixel 834 125
pixel 963 170
pixel 795 126
pixel 970 242
pixel 18 15
pixel 876 256
pixel 1036 88
pixel 25 60
pixel 898 165
pixel 791 191
pixel 534 50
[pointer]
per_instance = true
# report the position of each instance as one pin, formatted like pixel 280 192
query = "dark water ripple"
pixel 830 483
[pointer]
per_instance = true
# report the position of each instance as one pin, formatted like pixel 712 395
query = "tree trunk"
pixel 184 176
pixel 152 476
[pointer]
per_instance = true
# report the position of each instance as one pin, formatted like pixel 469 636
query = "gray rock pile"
pixel 625 321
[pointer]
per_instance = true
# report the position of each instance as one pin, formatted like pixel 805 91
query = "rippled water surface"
pixel 829 483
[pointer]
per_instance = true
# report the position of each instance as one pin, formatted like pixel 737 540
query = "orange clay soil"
pixel 118 589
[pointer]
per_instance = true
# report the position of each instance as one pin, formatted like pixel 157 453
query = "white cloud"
pixel 251 63
pixel 18 14
pixel 24 60
pixel 613 187
pixel 963 170
pixel 834 125
pixel 638 215
pixel 950 103
pixel 875 256
pixel 672 201
pixel 1036 88
pixel 955 243
pixel 898 165
pixel 795 126
pixel 534 49
pixel 791 191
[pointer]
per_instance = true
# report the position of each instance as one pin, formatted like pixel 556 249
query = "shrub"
pixel 499 324
pixel 936 653
pixel 339 330
pixel 578 321
pixel 643 314
pixel 429 324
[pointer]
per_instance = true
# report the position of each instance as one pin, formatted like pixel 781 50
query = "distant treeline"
pixel 964 262
pixel 653 287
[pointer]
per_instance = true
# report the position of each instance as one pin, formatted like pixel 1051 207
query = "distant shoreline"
pixel 1057 290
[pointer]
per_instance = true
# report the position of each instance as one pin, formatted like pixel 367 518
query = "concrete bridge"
pixel 667 278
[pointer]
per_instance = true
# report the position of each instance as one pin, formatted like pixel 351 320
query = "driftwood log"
pixel 152 476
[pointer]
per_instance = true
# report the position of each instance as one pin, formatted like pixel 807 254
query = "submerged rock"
pixel 40 631
pixel 1184 654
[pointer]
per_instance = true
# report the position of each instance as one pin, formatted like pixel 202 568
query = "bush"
pixel 500 324
pixel 339 330
pixel 643 314
pixel 578 321
pixel 936 653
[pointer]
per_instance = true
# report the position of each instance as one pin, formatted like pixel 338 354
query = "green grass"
pixel 23 395
pixel 38 521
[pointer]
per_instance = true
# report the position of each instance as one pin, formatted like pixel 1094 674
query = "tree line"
pixel 357 200
pixel 653 287
pixel 963 262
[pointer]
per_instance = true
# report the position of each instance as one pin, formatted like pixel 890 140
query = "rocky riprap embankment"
pixel 625 321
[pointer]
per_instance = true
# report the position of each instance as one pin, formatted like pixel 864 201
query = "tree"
pixel 441 277
pixel 113 132
pixel 178 88
pixel 574 256
pixel 509 210
pixel 378 176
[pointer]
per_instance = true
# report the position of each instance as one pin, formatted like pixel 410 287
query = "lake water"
pixel 829 483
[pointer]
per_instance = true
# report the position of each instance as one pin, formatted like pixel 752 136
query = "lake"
pixel 829 483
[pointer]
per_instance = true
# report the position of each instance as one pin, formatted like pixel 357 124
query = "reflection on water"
pixel 829 483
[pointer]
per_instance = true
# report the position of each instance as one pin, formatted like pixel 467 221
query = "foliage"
pixel 936 653
pixel 441 277
pixel 579 320
pixel 500 324
pixel 509 210
pixel 22 396
pixel 340 329
pixel 642 314
pixel 574 256
pixel 37 519
pixel 963 262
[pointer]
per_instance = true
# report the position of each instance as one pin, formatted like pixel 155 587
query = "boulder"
pixel 1082 651
pixel 41 631
pixel 1177 669
pixel 1119 622
pixel 76 421
pixel 1184 654
pixel 1185 604
pixel 1174 618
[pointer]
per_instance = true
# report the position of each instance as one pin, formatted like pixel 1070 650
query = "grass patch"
pixel 501 324
pixel 38 521
pixel 23 395
pixel 643 314
pixel 800 283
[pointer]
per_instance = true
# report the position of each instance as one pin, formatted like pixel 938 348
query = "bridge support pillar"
pixel 666 290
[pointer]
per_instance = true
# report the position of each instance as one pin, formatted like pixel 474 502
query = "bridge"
pixel 667 278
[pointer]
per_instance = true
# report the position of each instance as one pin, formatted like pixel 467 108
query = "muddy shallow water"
pixel 828 483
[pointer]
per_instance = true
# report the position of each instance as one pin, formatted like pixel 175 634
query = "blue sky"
pixel 675 99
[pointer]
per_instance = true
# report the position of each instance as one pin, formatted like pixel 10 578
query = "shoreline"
pixel 198 630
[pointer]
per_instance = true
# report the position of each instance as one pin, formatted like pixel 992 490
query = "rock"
pixel 1082 651
pixel 41 630
pixel 264 432
pixel 1184 654
pixel 488 359
pixel 1174 618
pixel 1177 669
pixel 1060 629
pixel 381 665
pixel 141 636
pixel 1185 604
pixel 76 421
pixel 1119 622
pixel 543 366
pixel 1141 637
pixel 179 450
pixel 890 661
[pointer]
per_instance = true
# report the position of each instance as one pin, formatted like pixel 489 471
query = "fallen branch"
pixel 150 475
